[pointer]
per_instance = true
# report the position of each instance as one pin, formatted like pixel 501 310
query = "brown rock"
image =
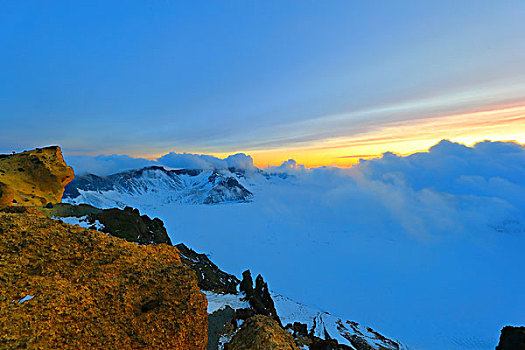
pixel 93 291
pixel 261 333
pixel 34 177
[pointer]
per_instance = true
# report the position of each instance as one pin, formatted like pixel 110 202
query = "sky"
pixel 325 83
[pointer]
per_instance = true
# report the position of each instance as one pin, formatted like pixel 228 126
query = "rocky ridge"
pixel 209 276
pixel 124 223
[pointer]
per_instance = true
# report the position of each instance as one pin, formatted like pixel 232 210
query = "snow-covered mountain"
pixel 157 186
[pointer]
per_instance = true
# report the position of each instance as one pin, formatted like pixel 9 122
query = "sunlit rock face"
pixel 67 287
pixel 261 332
pixel 35 177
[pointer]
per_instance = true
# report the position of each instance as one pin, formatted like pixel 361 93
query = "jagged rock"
pixel 259 297
pixel 261 333
pixel 124 223
pixel 511 338
pixel 246 285
pixel 65 287
pixel 209 276
pixel 34 177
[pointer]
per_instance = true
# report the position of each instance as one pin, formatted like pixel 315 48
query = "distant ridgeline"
pixel 157 185
pixel 90 285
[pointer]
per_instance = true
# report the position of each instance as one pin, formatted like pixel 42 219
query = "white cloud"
pixel 104 165
pixel 450 188
pixel 203 161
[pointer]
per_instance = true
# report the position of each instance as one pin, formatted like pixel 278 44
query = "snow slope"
pixel 426 248
pixel 154 186
pixel 320 322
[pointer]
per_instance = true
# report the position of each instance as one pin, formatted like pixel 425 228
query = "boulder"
pixel 261 333
pixel 34 177
pixel 66 287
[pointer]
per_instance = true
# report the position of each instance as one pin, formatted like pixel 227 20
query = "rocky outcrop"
pixel 34 177
pixel 511 338
pixel 262 333
pixel 124 223
pixel 259 297
pixel 209 276
pixel 66 287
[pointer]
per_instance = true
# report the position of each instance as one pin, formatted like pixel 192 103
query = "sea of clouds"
pixel 427 248
pixel 425 193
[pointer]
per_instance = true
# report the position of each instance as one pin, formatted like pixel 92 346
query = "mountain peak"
pixel 157 185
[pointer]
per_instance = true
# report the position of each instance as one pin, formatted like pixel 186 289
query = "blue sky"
pixel 148 77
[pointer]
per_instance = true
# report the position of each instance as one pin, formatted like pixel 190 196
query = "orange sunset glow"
pixel 503 123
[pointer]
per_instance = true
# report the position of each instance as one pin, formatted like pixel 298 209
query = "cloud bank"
pixel 202 161
pixel 449 188
pixel 105 165
pixel 425 247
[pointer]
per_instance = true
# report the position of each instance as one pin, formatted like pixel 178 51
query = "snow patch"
pixel 220 301
pixel 81 221
pixel 24 299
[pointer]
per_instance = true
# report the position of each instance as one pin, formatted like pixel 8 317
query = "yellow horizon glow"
pixel 406 137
